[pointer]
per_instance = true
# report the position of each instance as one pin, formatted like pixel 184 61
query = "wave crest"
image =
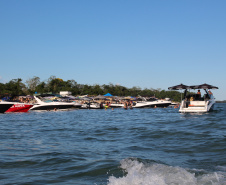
pixel 142 173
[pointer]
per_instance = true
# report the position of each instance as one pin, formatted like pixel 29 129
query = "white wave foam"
pixel 138 173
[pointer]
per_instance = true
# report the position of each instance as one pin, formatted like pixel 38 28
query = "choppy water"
pixel 115 147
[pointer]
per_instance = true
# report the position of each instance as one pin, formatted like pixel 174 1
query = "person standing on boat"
pixel 210 94
pixel 199 94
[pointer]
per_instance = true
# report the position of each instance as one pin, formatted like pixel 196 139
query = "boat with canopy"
pixel 194 102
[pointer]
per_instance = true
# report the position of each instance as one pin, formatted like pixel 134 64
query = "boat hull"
pixel 197 106
pixel 19 107
pixel 51 107
pixel 141 105
pixel 152 104
pixel 92 106
pixel 160 105
pixel 4 106
pixel 116 105
pixel 40 105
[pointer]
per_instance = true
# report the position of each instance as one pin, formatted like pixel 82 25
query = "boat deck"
pixel 194 106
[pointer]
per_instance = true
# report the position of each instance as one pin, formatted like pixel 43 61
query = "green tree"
pixel 15 87
pixel 86 89
pixel 41 88
pixel 55 84
pixel 32 83
pixel 135 91
pixel 2 89
pixel 97 90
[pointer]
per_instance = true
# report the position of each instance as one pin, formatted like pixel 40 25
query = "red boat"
pixel 20 107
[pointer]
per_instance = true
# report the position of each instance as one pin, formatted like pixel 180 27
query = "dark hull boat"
pixel 40 105
pixel 4 106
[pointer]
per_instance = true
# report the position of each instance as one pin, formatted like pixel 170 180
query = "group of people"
pixel 128 104
pixel 198 96
pixel 209 92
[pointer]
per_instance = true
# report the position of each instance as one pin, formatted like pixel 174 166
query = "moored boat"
pixel 144 104
pixel 194 102
pixel 92 105
pixel 51 105
pixel 154 102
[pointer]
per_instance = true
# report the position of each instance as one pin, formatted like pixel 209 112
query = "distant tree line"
pixel 15 87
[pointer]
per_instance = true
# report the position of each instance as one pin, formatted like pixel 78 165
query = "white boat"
pixel 51 105
pixel 116 105
pixel 77 105
pixel 194 102
pixel 142 102
pixel 152 102
pixel 92 105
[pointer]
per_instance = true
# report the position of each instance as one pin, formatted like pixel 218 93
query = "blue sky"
pixel 147 43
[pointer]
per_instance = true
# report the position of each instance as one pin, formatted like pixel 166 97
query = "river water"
pixel 114 147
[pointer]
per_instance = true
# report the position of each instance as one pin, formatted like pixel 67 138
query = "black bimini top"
pixel 202 86
pixel 179 87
